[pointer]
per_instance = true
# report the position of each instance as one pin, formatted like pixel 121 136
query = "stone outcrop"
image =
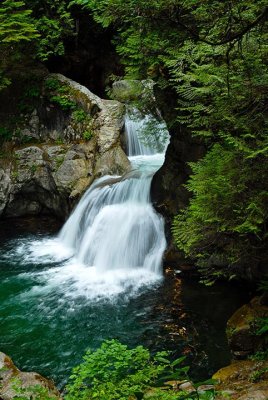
pixel 68 149
pixel 14 382
pixel 243 380
pixel 242 327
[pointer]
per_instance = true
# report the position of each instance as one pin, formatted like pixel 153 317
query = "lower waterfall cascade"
pixel 114 226
pixel 113 241
pixel 101 277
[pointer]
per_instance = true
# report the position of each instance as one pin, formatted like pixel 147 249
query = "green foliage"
pixel 4 81
pixel 263 285
pixel 43 24
pixel 33 168
pixel 213 56
pixel 37 392
pixel 5 134
pixel 59 93
pixel 256 376
pixel 225 204
pixel 260 356
pixel 31 94
pixel 16 23
pixel 262 326
pixel 115 372
pixel 64 102
pixel 59 141
pixel 262 323
pixel 79 115
pixel 54 23
pixel 25 139
pixel 59 161
pixel 87 134
pixel 52 84
pixel 16 27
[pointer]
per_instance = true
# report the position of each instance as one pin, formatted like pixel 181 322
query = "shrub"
pixel 225 221
pixel 87 135
pixel 79 115
pixel 52 84
pixel 64 102
pixel 116 372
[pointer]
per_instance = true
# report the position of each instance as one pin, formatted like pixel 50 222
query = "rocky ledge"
pixel 243 380
pixel 14 383
pixel 246 378
pixel 69 139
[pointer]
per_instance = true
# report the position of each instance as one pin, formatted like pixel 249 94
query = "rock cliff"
pixel 70 138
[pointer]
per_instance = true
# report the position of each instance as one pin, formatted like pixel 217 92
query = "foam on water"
pixel 75 279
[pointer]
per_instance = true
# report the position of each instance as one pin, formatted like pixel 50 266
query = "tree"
pixel 16 27
pixel 213 54
pixel 43 25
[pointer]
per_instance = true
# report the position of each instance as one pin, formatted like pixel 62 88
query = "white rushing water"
pixel 114 240
pixel 114 225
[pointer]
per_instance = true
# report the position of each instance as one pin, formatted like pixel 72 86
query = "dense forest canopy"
pixel 212 55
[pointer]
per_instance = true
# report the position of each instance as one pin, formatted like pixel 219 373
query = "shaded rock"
pixel 104 118
pixel 187 387
pixel 4 187
pixel 71 171
pixel 112 162
pixel 255 394
pixel 169 194
pixel 13 382
pixel 243 380
pixel 241 328
pixel 205 388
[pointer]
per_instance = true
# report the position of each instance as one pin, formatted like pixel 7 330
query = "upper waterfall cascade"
pixel 114 226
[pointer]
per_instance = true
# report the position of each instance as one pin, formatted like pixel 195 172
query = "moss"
pixel 87 134
pixel 33 168
pixel 247 315
pixel 79 115
pixel 59 161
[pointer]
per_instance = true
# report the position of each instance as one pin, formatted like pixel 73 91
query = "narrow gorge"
pixel 133 200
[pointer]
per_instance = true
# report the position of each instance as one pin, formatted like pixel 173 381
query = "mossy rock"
pixel 242 326
pixel 126 91
pixel 243 380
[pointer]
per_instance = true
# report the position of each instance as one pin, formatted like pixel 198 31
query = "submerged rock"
pixel 14 382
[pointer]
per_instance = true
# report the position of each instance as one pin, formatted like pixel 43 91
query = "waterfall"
pixel 113 241
pixel 114 226
pixel 144 134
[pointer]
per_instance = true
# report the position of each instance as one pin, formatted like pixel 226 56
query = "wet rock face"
pixel 44 180
pixel 168 192
pixel 13 382
pixel 69 150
